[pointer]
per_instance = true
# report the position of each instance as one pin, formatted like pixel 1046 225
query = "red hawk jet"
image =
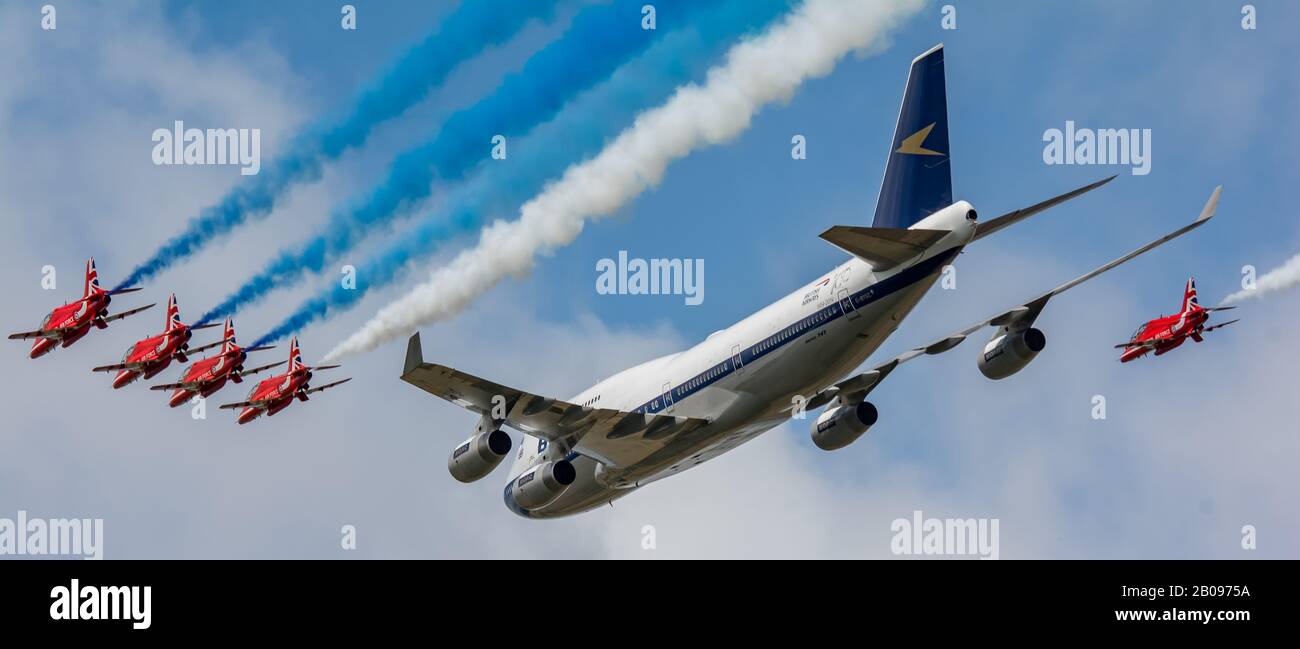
pixel 276 393
pixel 1167 332
pixel 152 355
pixel 71 322
pixel 207 375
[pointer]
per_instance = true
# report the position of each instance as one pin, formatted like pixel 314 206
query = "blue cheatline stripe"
pixel 795 330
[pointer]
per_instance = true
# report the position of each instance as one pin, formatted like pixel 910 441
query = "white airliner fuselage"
pixel 745 378
pixel 672 413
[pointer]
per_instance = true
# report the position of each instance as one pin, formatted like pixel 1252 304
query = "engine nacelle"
pixel 478 455
pixel 542 484
pixel 1009 353
pixel 840 426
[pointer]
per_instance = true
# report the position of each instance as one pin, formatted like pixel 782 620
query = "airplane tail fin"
pixel 1189 295
pixel 295 356
pixel 228 335
pixel 918 178
pixel 91 286
pixel 173 313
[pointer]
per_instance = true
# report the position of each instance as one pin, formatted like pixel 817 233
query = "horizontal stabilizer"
pixel 883 248
pixel 1010 218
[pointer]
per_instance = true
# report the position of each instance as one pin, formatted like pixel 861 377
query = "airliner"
pixel 796 355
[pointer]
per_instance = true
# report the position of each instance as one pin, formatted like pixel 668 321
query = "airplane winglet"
pixel 414 354
pixel 1210 205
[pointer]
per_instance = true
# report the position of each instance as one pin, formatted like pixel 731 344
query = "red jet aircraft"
pixel 69 323
pixel 152 355
pixel 205 376
pixel 1167 332
pixel 276 393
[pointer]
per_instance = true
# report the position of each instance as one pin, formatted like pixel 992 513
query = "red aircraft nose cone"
pixel 123 378
pixel 248 414
pixel 179 397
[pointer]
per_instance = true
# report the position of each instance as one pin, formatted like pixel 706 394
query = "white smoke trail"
pixel 767 68
pixel 1283 277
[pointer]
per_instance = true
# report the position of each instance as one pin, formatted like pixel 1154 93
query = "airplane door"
pixel 846 305
pixel 736 361
pixel 668 396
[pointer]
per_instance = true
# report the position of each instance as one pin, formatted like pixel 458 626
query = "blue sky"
pixel 1189 453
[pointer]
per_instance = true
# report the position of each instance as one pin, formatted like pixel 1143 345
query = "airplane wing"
pixel 119 316
pixel 255 370
pixel 614 437
pixel 1017 318
pixel 115 366
pixel 993 225
pixel 1135 345
pixel 195 350
pixel 243 404
pixel 186 385
pixel 27 335
pixel 1219 308
pixel 1220 325
pixel 328 385
pixel 1145 343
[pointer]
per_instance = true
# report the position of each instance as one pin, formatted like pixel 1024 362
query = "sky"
pixel 1195 445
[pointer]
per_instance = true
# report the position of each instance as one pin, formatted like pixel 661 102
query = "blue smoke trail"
pixel 472 27
pixel 579 133
pixel 599 40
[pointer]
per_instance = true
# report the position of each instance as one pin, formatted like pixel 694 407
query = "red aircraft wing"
pixel 119 316
pixel 263 368
pixel 27 335
pixel 1221 324
pixel 328 385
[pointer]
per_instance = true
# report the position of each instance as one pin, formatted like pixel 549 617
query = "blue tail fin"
pixel 918 179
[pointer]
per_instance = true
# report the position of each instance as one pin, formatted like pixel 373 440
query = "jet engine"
pixel 478 455
pixel 541 485
pixel 1010 352
pixel 839 426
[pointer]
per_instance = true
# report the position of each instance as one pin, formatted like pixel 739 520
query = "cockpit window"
pixel 1140 329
